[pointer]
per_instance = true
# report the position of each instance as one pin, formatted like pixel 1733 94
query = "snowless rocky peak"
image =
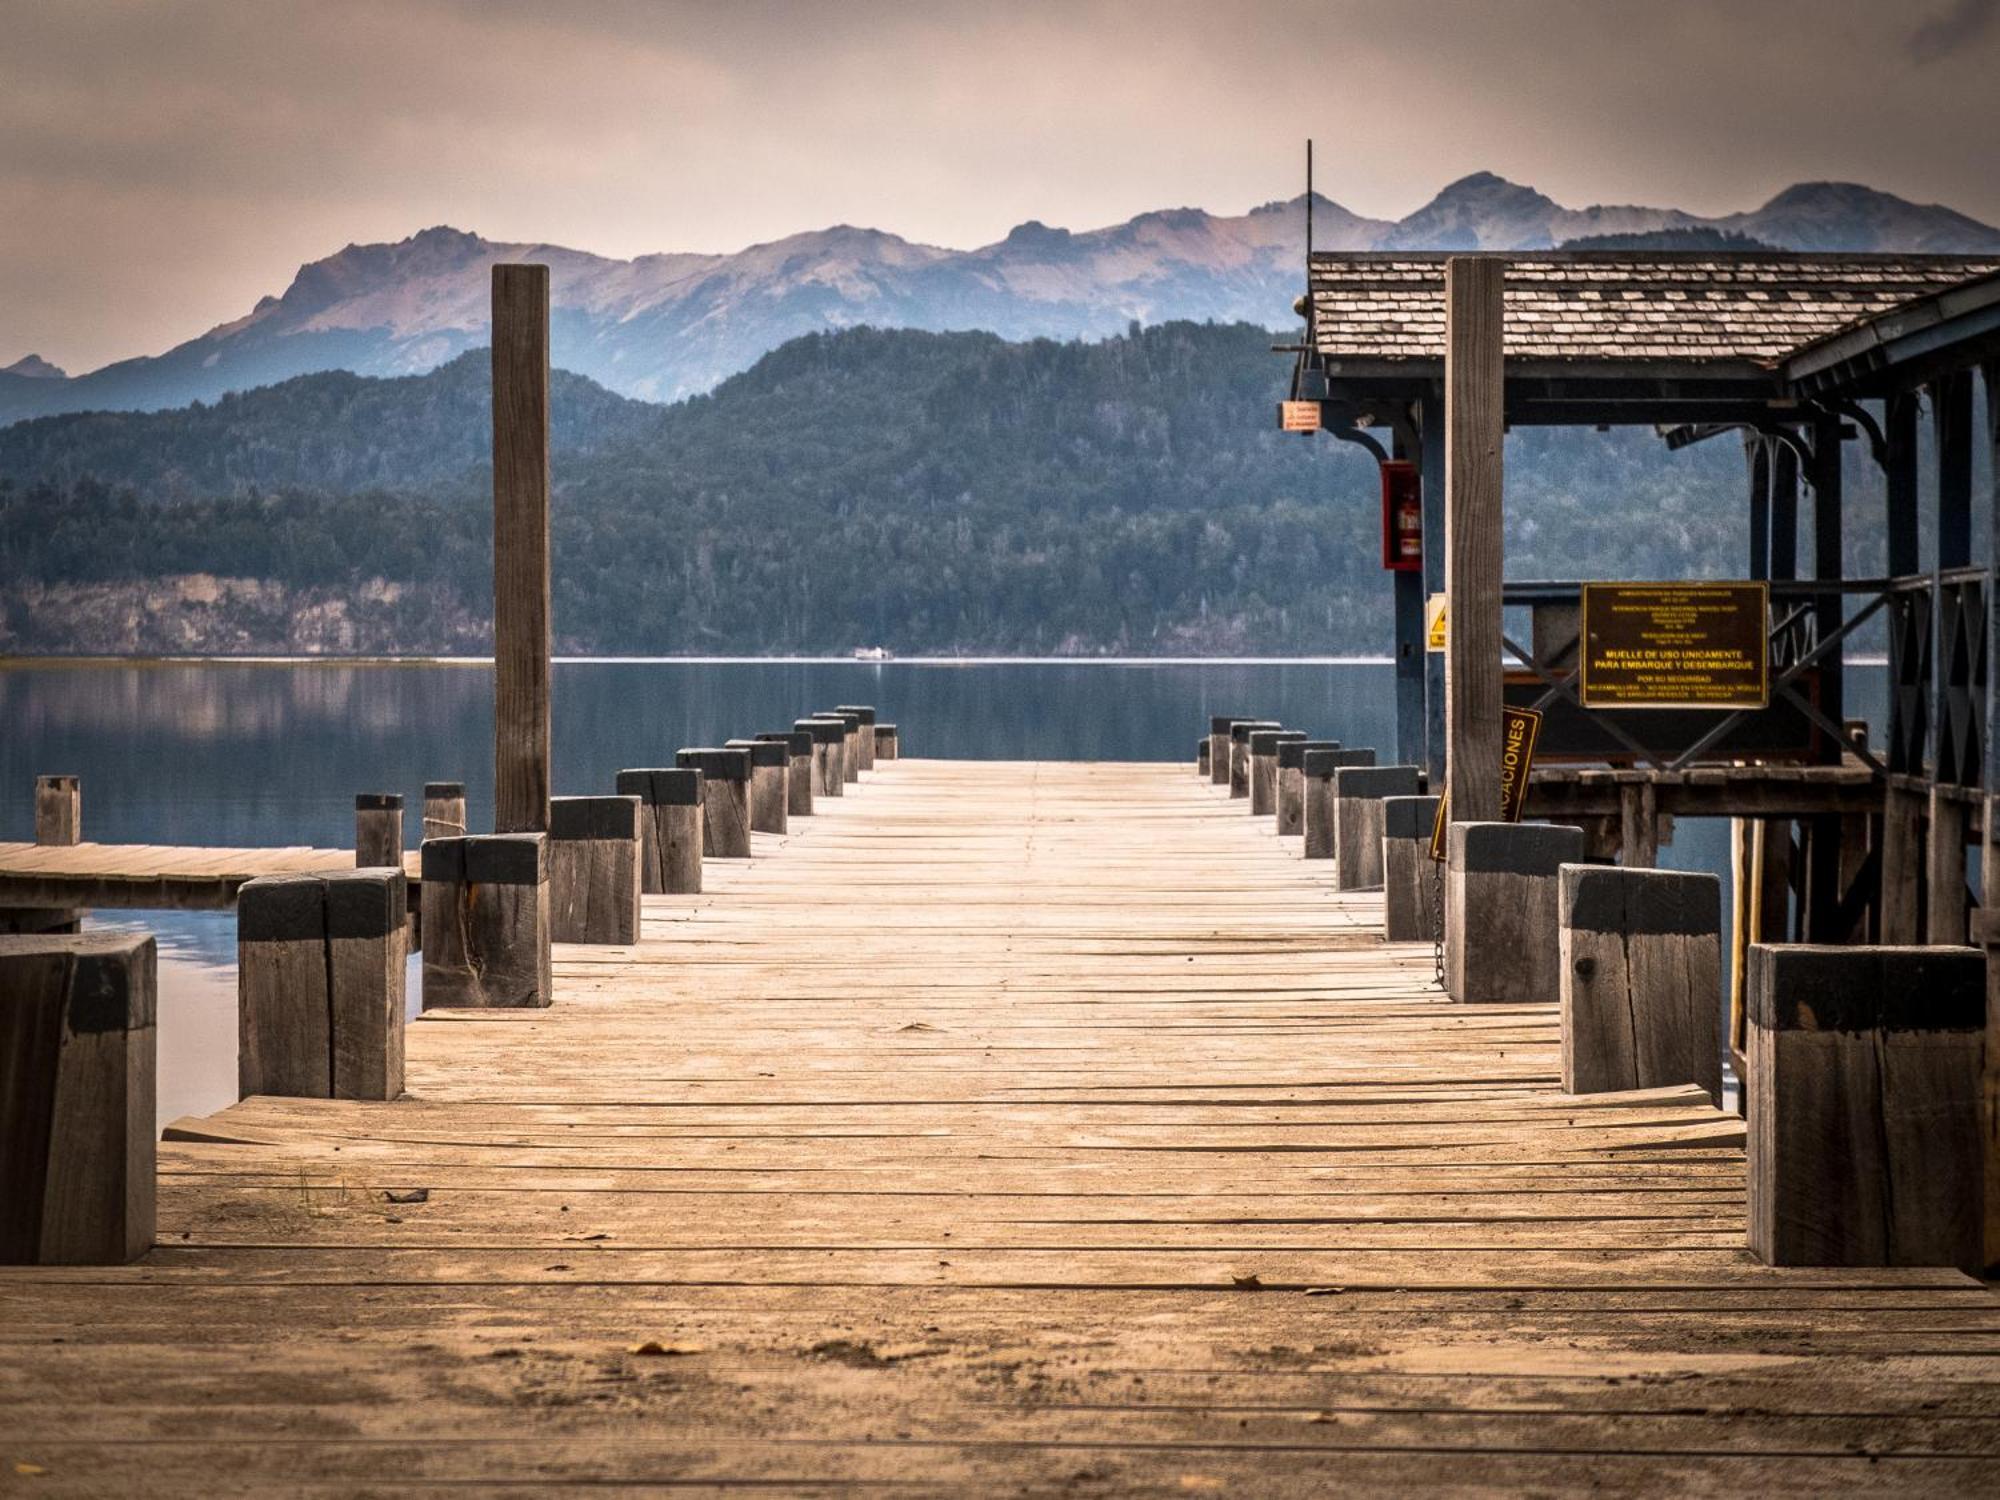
pixel 35 367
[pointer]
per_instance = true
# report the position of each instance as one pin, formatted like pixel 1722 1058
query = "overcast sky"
pixel 165 162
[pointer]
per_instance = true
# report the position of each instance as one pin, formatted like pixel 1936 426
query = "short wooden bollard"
pixel 1292 783
pixel 1220 728
pixel 887 747
pixel 829 754
pixel 1501 891
pixel 1239 752
pixel 770 777
pixel 58 810
pixel 1264 768
pixel 1412 882
pixel 850 743
pixel 77 1044
pixel 669 828
pixel 1316 772
pixel 444 809
pixel 798 745
pixel 1641 965
pixel 1862 1081
pixel 596 869
pixel 1358 793
pixel 864 738
pixel 725 799
pixel 320 961
pixel 1201 758
pixel 486 920
pixel 378 830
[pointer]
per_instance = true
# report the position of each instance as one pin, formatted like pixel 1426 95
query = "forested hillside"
pixel 930 492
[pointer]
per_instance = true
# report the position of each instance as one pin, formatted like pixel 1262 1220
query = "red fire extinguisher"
pixel 1402 517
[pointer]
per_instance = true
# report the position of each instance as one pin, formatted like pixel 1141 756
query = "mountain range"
pixel 661 327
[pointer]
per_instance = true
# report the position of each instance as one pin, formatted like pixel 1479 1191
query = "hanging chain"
pixel 1437 922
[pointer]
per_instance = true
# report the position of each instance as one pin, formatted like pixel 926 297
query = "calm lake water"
pixel 271 754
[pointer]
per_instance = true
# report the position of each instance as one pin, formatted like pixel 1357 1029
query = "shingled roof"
pixel 1678 307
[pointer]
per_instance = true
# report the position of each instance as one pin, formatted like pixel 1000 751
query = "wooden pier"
pixel 1002 1128
pixel 153 876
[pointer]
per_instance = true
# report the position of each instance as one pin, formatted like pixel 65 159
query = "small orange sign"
pixel 1298 416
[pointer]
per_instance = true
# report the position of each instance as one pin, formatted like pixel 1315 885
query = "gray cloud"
pixel 164 165
pixel 1965 22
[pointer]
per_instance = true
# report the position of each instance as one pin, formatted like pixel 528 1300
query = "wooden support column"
pixel 1409 605
pixel 1951 415
pixel 1638 825
pixel 1944 914
pixel 77 1154
pixel 1430 419
pixel 1899 475
pixel 58 810
pixel 1757 452
pixel 522 638
pixel 1474 419
pixel 1823 845
pixel 1784 508
pixel 1902 872
pixel 1989 871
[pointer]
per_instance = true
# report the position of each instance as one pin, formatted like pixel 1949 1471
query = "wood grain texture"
pixel 1474 432
pixel 1002 1125
pixel 58 810
pixel 522 619
pixel 1944 889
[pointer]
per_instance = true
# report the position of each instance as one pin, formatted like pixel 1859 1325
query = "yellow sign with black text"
pixel 1519 729
pixel 1675 645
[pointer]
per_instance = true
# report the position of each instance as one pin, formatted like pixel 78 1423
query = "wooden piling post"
pixel 1410 885
pixel 770 777
pixel 77 1155
pixel 522 634
pixel 1641 965
pixel 1264 768
pixel 320 963
pixel 1902 867
pixel 725 799
pixel 887 745
pixel 1220 727
pixel 1474 423
pixel 1292 783
pixel 1863 1091
pixel 378 830
pixel 798 769
pixel 596 869
pixel 1501 894
pixel 865 737
pixel 1201 758
pixel 1358 827
pixel 829 753
pixel 850 744
pixel 669 828
pixel 58 810
pixel 444 809
pixel 1944 905
pixel 1638 823
pixel 486 920
pixel 1316 773
pixel 1241 751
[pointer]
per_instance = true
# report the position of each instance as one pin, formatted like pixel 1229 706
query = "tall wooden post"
pixel 1899 429
pixel 1989 1123
pixel 1784 507
pixel 1823 858
pixel 1757 451
pixel 1474 426
pixel 1951 407
pixel 1409 601
pixel 522 638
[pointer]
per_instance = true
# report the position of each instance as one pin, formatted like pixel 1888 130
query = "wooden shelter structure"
pixel 1799 355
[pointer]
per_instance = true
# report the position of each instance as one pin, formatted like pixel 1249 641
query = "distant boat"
pixel 873 653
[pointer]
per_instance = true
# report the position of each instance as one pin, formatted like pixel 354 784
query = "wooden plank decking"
pixel 1009 1128
pixel 152 875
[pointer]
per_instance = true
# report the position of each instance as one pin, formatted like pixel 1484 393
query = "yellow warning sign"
pixel 1434 623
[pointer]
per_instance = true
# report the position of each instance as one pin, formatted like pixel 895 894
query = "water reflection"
pixel 272 754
